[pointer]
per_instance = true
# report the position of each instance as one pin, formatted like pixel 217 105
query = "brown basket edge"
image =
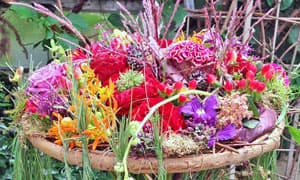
pixel 102 160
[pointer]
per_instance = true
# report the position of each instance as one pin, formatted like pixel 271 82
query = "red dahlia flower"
pixel 107 63
pixel 170 114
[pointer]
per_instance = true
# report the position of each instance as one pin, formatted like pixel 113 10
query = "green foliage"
pixel 252 123
pixel 115 20
pixel 295 133
pixel 277 94
pixel 293 36
pixel 252 106
pixel 162 173
pixel 285 4
pixel 51 26
pixel 78 21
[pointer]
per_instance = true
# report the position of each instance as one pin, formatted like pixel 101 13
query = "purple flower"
pixel 204 113
pixel 47 87
pixel 226 133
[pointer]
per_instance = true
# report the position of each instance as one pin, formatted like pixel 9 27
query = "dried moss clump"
pixel 179 145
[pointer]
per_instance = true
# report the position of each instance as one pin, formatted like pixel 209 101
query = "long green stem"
pixel 147 117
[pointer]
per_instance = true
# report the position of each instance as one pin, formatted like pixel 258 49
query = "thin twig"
pixel 59 5
pixel 275 31
pixel 227 147
pixel 233 7
pixel 171 18
pixel 262 33
pixel 247 24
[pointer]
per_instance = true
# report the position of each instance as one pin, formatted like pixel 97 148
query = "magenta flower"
pixel 281 73
pixel 201 113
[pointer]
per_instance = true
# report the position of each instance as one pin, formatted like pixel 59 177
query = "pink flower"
pixel 195 53
pixel 51 77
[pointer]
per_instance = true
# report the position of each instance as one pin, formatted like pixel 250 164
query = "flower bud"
pixel 211 79
pixel 193 84
pixel 228 86
pixel 178 85
pixel 241 83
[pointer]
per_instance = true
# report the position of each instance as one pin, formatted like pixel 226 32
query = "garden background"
pixel 25 35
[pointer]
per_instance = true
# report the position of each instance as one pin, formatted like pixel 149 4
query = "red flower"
pixel 163 43
pixel 106 63
pixel 228 86
pixel 147 89
pixel 252 67
pixel 193 84
pixel 253 84
pixel 266 68
pixel 211 79
pixel 250 75
pixel 162 87
pixel 269 75
pixel 260 87
pixel 170 114
pixel 241 83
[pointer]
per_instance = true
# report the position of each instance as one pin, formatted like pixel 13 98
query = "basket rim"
pixel 103 160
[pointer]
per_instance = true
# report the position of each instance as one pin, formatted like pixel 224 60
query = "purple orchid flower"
pixel 226 133
pixel 204 113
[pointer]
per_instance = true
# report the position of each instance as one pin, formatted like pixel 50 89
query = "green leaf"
pixel 270 3
pixel 293 36
pixel 49 34
pixel 78 21
pixel 251 124
pixel 24 12
pixel 68 37
pixel 252 106
pixel 50 21
pixel 115 20
pixel 295 133
pixel 285 4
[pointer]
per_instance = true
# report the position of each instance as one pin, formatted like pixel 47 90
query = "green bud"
pixel 133 127
pixel 135 141
pixel 119 167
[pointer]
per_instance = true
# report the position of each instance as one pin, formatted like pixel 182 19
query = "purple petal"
pixel 210 107
pixel 191 107
pixel 211 142
pixel 227 133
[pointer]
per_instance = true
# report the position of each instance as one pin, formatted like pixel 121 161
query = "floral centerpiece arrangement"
pixel 138 95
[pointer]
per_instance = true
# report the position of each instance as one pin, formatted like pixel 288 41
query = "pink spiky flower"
pixel 187 51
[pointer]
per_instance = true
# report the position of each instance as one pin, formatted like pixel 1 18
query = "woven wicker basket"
pixel 105 160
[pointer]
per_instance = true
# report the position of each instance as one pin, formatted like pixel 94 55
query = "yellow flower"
pixel 181 37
